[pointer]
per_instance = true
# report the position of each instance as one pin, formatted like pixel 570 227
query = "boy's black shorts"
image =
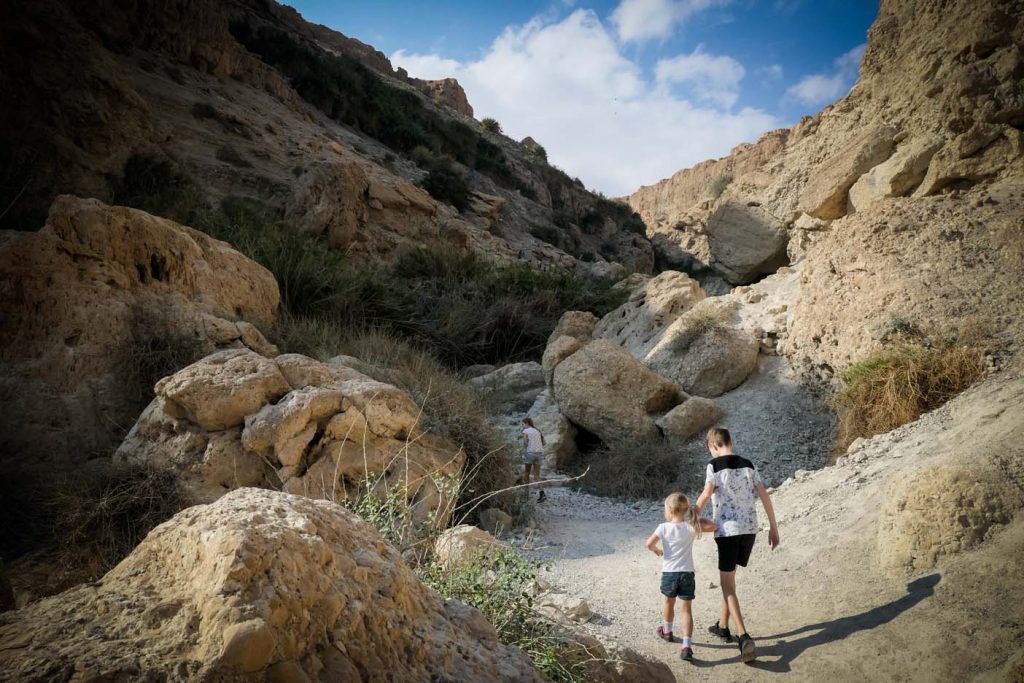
pixel 734 550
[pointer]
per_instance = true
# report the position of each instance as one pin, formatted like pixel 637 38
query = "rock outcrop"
pixel 257 586
pixel 512 387
pixel 607 391
pixel 237 419
pixel 927 156
pixel 745 242
pixel 651 308
pixel 96 300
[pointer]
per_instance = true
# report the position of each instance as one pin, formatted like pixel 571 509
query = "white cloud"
pixel 825 88
pixel 714 79
pixel 638 20
pixel 566 84
pixel 771 72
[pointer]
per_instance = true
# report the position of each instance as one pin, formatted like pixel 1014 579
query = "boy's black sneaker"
pixel 722 633
pixel 748 652
pixel 541 497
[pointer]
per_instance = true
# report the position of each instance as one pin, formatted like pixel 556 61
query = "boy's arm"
pixel 705 496
pixel 707 525
pixel 766 501
pixel 652 545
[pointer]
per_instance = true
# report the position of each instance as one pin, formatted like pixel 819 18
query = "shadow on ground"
pixel 776 653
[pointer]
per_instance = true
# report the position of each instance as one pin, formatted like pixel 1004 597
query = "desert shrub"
pixel 699 323
pixel 446 184
pixel 627 471
pixel 501 585
pixel 155 185
pixel 491 125
pixel 154 350
pixel 228 123
pixel 719 185
pixel 897 386
pixel 547 233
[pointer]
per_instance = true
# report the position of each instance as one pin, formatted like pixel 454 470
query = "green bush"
pixel 628 471
pixel 491 125
pixel 447 185
pixel 547 233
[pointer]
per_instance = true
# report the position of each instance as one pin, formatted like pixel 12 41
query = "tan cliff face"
pixel 174 82
pixel 899 199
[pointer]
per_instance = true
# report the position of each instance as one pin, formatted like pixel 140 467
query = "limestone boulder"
pixel 555 352
pixel 237 419
pixel 746 242
pixel 94 302
pixel 463 543
pixel 511 387
pixel 562 606
pixel 825 194
pixel 260 585
pixel 690 418
pixel 559 433
pixel 898 175
pixel 576 324
pixel 652 306
pixel 703 352
pixel 947 509
pixel 607 391
pixel 495 521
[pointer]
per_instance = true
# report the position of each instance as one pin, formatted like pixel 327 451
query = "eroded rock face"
pixel 512 387
pixel 95 295
pixel 652 306
pixel 824 196
pixel 237 419
pixel 260 585
pixel 948 509
pixel 610 393
pixel 690 418
pixel 746 242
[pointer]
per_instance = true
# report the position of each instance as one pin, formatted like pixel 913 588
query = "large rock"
pixel 512 387
pixel 898 175
pixel 746 242
pixel 576 324
pixel 96 299
pixel 608 392
pixel 703 353
pixel 463 544
pixel 824 195
pixel 652 306
pixel 325 431
pixel 559 433
pixel 690 417
pixel 948 509
pixel 257 586
pixel 608 661
pixel 555 352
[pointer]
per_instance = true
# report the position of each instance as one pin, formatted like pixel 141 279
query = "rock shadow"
pixel 778 656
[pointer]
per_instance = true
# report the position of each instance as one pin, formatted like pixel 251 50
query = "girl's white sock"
pixel 686 641
pixel 667 627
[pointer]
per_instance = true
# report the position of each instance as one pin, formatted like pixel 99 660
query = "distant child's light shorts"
pixel 680 585
pixel 532 458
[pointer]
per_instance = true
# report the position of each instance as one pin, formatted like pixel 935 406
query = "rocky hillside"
pixel 900 202
pixel 245 98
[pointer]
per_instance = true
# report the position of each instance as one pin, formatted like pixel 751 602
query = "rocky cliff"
pixel 245 98
pixel 900 201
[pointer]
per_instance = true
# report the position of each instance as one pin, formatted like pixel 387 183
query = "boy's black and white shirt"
pixel 735 496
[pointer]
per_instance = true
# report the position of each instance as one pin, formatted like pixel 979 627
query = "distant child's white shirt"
pixel 677 544
pixel 534 443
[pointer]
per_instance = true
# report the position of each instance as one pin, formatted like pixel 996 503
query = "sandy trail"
pixel 819 607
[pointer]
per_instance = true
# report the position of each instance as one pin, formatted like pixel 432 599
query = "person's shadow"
pixel 778 656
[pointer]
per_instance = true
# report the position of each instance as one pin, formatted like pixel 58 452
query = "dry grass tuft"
pixel 897 386
pixel 628 471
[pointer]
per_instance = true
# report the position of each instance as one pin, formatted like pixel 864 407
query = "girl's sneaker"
pixel 686 654
pixel 663 635
pixel 723 633
pixel 748 652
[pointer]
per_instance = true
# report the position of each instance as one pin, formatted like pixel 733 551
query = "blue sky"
pixel 624 92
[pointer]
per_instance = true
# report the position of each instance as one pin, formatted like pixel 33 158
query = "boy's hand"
pixel 773 537
pixel 657 551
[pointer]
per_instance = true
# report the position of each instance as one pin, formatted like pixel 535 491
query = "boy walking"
pixel 733 486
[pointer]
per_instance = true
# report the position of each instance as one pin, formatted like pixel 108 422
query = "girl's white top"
pixel 533 441
pixel 677 544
